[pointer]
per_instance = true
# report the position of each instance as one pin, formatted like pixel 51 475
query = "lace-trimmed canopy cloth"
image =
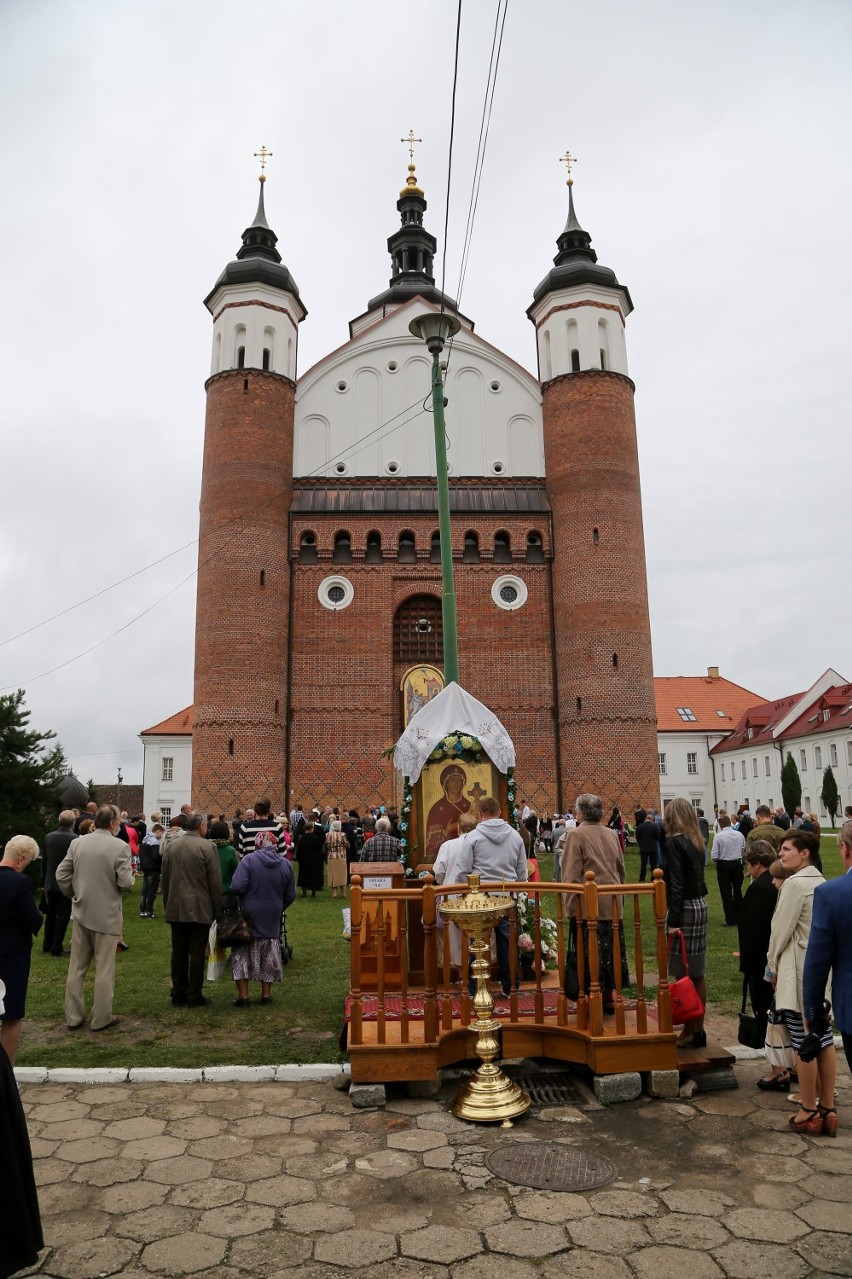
pixel 452 711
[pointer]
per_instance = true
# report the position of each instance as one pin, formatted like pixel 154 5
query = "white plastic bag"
pixel 216 959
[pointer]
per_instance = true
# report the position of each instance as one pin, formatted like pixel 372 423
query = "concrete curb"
pixel 166 1075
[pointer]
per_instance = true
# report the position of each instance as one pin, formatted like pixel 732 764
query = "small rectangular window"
pixel 168 768
pixel 826 715
pixel 743 769
pixel 166 813
pixel 767 766
pixel 663 768
pixel 817 758
pixel 692 761
pixel 849 751
pixel 687 714
pixel 754 766
pixel 803 761
pixel 603 358
pixel 832 754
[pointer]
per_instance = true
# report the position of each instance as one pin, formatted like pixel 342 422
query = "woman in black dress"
pixel 309 851
pixel 683 871
pixel 20 920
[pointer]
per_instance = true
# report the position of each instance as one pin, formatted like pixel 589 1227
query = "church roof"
pixel 258 260
pixel 179 725
pixel 371 496
pixel 577 263
pixel 412 249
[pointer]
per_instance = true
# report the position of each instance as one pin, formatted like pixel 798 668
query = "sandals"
pixel 811 1126
pixel 776 1083
pixel 829 1121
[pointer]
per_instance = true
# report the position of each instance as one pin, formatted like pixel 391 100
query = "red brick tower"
pixel 243 612
pixel 605 691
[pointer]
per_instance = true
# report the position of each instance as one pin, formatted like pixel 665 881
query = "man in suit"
pixel 95 872
pixel 191 882
pixel 830 948
pixel 56 845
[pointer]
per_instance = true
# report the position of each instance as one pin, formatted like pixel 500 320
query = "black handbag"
pixel 572 976
pixel 234 929
pixel 752 1031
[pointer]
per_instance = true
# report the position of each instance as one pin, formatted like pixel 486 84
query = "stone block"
pixel 368 1096
pixel 688 1089
pixel 238 1074
pixel 164 1075
pixel 713 1080
pixel 31 1074
pixel 610 1089
pixel 661 1083
pixel 97 1075
pixel 342 1080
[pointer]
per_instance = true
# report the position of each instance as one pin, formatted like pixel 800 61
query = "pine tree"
pixel 30 772
pixel 93 794
pixel 829 795
pixel 791 785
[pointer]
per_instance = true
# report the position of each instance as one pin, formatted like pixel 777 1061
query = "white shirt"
pixel 729 845
pixel 444 868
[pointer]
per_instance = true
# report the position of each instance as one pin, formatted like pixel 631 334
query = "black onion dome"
pixel 258 260
pixel 72 792
pixel 576 262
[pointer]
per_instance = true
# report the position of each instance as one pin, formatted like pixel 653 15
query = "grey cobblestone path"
pixel 267 1180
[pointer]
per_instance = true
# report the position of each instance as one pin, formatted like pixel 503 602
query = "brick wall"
pixel 607 715
pixel 242 623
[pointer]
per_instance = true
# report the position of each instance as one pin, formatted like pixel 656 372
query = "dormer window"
pixel 687 714
pixel 826 714
pixel 750 733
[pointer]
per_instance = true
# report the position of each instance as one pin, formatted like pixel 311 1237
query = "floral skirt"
pixel 259 961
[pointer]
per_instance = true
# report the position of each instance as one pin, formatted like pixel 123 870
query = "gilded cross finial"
pixel 411 141
pixel 568 159
pixel 263 155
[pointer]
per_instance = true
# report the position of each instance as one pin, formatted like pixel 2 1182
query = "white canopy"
pixel 452 711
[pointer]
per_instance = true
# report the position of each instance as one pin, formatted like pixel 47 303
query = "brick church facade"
pixel 319 581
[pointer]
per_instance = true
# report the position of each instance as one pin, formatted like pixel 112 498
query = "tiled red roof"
pixel 837 701
pixel 761 720
pixel 704 696
pixel 179 725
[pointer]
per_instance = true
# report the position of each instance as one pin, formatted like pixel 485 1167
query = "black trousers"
pixel 730 877
pixel 56 921
pixel 150 884
pixel 847 1047
pixel 760 991
pixel 189 944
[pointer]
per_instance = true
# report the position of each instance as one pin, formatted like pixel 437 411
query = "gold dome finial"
pixel 411 187
pixel 568 159
pixel 263 155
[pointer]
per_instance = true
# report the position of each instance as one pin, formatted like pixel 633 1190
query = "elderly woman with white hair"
pixel 20 920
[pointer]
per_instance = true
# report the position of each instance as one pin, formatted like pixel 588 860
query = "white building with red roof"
pixel 694 714
pixel 167 770
pixel 815 727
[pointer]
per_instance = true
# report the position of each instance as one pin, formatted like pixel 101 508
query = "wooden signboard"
pixel 382 922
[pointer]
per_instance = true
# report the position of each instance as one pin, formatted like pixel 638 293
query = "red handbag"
pixel 686 1002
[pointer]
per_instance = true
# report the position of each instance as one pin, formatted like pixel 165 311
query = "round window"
pixel 509 592
pixel 392 468
pixel 497 468
pixel 392 366
pixel 335 593
pixel 342 386
pixel 341 468
pixel 495 387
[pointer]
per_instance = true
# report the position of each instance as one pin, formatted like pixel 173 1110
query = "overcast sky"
pixel 713 175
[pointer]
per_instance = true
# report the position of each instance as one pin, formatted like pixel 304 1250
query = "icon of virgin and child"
pixel 442 820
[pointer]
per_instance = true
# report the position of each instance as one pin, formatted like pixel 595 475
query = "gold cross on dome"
pixel 411 141
pixel 568 159
pixel 263 155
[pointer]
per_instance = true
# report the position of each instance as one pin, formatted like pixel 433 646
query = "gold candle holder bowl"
pixel 488 1096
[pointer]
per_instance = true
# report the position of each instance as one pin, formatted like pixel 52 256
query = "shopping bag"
pixel 216 957
pixel 752 1030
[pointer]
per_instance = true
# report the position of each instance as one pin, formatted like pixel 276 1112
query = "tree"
pixel 30 772
pixel 829 795
pixel 93 794
pixel 791 785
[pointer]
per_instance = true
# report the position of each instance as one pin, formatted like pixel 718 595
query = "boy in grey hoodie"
pixel 495 852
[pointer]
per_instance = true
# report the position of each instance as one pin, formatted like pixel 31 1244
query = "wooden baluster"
pixel 616 965
pixel 590 896
pixel 355 1031
pixel 430 966
pixel 582 998
pixel 664 999
pixel 403 973
pixel 641 1006
pixel 561 1001
pixel 538 962
pixel 380 971
pixel 513 963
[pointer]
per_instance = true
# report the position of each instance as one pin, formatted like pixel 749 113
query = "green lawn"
pixel 303 1023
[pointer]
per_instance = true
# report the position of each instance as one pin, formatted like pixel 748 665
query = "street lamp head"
pixel 434 328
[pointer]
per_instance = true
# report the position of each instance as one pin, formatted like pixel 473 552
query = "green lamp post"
pixel 434 328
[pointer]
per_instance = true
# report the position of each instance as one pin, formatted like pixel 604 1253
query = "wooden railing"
pixel 386 966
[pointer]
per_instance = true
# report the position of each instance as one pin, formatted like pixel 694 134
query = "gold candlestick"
pixel 488 1096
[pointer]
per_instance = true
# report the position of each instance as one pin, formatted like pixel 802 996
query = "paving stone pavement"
pixel 267 1180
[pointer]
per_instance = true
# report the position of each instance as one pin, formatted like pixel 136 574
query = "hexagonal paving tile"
pixel 743 1260
pixel 608 1234
pixel 266 1254
pixel 91 1257
pixel 108 1172
pixel 823 1215
pixel 416 1139
pixel 238 1219
pixel 187 1254
pixel 131 1196
pixel 386 1164
pixel 441 1243
pixel 765 1224
pixel 323 1218
pixel 546 1205
pixel 355 1248
pixel 135 1129
pixel 662 1263
pixel 88 1150
pixel 176 1172
pixel 146 1226
pixel 624 1203
pixel 212 1192
pixel 281 1192
pixel 526 1238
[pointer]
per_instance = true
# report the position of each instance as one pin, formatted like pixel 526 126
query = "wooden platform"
pixel 691 1061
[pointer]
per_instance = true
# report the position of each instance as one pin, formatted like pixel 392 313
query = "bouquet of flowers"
pixel 548 932
pixel 459 746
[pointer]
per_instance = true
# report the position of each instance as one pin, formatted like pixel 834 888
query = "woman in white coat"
pixel 788 942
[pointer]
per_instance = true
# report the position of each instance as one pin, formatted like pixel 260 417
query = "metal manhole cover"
pixel 552 1088
pixel 547 1165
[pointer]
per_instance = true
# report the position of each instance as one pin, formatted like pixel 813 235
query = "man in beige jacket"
pixel 95 871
